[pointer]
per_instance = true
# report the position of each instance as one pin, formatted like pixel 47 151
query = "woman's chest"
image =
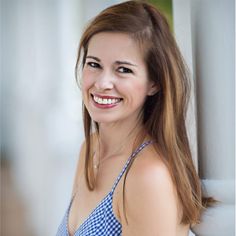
pixel 85 202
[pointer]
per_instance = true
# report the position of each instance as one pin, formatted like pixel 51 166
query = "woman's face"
pixel 114 78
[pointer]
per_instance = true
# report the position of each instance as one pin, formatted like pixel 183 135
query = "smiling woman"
pixel 135 174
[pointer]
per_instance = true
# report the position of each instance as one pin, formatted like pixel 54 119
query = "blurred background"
pixel 41 125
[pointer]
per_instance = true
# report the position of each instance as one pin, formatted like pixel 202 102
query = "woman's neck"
pixel 117 138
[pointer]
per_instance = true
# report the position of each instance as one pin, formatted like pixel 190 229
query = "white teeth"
pixel 105 100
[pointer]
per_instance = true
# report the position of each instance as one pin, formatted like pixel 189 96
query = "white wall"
pixel 42 128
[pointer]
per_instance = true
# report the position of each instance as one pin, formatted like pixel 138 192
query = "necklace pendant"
pixel 95 166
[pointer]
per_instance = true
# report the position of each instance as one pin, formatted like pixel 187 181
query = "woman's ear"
pixel 153 89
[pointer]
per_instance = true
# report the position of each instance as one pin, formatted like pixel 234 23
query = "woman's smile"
pixel 105 101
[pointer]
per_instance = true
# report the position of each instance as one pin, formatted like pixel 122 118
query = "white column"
pixel 182 32
pixel 212 39
pixel 213 47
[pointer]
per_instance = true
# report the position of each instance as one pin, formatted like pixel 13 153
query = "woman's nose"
pixel 104 82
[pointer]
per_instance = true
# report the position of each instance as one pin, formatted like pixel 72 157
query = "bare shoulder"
pixel 150 198
pixel 149 166
pixel 151 173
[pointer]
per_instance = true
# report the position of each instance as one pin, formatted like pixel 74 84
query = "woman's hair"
pixel 163 113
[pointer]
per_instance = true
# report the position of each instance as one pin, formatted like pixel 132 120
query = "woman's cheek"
pixel 86 80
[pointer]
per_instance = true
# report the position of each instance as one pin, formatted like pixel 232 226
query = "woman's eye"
pixel 124 70
pixel 93 64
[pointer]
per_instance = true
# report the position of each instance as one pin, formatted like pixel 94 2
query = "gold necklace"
pixel 96 166
pixel 122 146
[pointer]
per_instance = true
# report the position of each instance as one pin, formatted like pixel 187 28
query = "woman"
pixel 135 174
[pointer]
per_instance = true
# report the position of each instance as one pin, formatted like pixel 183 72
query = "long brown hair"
pixel 163 113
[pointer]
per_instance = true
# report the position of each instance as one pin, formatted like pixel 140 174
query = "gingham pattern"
pixel 101 221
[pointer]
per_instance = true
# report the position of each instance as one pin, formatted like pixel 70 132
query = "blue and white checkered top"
pixel 101 221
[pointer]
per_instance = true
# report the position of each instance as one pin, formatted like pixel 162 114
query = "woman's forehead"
pixel 118 46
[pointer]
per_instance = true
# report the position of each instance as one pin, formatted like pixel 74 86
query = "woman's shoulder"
pixel 150 170
pixel 149 186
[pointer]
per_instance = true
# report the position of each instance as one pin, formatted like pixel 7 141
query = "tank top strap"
pixel 142 146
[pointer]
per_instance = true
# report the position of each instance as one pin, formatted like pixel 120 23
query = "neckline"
pixel 110 193
pixel 87 218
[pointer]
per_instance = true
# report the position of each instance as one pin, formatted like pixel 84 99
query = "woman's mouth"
pixel 105 101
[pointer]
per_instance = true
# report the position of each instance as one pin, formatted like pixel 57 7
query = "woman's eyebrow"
pixel 125 62
pixel 116 62
pixel 95 58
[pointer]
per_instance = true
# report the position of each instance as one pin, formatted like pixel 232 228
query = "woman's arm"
pixel 151 201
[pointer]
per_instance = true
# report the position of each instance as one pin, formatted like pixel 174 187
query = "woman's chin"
pixel 102 120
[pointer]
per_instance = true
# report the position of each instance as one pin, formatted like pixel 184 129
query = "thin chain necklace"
pixel 96 166
pixel 121 148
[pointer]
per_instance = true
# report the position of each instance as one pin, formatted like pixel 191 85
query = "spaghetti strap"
pixel 139 149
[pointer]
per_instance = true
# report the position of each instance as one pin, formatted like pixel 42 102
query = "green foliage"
pixel 165 6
